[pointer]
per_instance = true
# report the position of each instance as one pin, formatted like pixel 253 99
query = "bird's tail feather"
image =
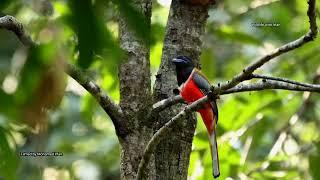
pixel 214 155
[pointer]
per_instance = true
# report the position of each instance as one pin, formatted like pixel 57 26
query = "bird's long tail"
pixel 214 155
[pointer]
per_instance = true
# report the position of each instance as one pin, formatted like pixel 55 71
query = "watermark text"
pixel 35 154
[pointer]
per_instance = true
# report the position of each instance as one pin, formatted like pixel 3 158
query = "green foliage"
pixel 93 37
pixel 8 156
pixel 314 162
pixel 4 4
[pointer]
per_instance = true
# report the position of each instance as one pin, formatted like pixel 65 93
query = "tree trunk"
pixel 186 24
pixel 171 159
pixel 135 93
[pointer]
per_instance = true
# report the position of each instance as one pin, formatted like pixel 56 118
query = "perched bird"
pixel 193 85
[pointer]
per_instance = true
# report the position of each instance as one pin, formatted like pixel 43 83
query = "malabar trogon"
pixel 193 85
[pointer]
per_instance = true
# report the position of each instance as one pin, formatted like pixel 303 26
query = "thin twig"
pixel 257 76
pixel 113 110
pixel 271 84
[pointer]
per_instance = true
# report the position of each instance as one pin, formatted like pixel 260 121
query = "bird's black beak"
pixel 175 60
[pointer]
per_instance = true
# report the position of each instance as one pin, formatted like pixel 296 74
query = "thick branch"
pixel 12 24
pixel 114 111
pixel 163 104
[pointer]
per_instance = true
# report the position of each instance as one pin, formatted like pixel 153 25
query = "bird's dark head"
pixel 182 62
pixel 184 67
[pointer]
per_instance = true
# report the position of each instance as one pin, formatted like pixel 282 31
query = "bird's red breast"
pixel 190 92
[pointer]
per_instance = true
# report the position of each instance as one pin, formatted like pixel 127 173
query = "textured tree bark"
pixel 186 24
pixel 135 93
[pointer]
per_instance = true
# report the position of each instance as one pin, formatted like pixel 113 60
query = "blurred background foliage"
pixel 262 135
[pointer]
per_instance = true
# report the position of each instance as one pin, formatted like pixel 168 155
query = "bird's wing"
pixel 204 85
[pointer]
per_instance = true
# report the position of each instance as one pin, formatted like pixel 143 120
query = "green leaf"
pixel 7 105
pixel 314 163
pixel 93 37
pixel 5 3
pixel 9 159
